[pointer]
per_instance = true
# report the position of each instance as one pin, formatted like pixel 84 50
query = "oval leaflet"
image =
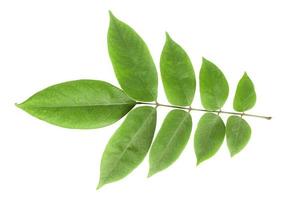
pixel 129 145
pixel 81 104
pixel 132 62
pixel 170 140
pixel 209 136
pixel 214 88
pixel 238 133
pixel 245 96
pixel 177 74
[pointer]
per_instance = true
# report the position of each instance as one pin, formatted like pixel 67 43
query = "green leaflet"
pixel 214 88
pixel 170 140
pixel 132 62
pixel 245 96
pixel 129 145
pixel 81 104
pixel 177 74
pixel 209 136
pixel 238 133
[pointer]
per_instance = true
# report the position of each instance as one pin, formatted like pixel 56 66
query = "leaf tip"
pixel 205 62
pixel 151 173
pixel 19 105
pixel 111 16
pixel 100 185
pixel 232 154
pixel 110 13
pixel 168 37
pixel 199 161
pixel 204 59
pixel 245 75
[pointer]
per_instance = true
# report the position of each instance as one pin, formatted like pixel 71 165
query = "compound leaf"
pixel 209 136
pixel 129 145
pixel 214 88
pixel 170 141
pixel 132 62
pixel 81 104
pixel 245 96
pixel 238 133
pixel 177 74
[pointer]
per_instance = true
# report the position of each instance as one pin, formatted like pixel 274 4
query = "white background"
pixel 44 42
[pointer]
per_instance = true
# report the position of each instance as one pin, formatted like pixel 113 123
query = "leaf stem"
pixel 156 104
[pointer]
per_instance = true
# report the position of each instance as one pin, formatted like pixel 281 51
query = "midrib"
pixel 74 106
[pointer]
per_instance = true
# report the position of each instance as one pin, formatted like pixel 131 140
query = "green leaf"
pixel 82 104
pixel 170 141
pixel 238 133
pixel 214 88
pixel 245 96
pixel 209 136
pixel 132 62
pixel 177 74
pixel 128 146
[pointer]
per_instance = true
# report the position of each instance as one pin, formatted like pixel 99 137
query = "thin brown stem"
pixel 204 110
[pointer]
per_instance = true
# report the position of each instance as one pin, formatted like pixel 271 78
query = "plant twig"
pixel 204 110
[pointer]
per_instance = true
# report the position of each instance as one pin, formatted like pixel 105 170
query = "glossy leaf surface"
pixel 170 140
pixel 238 133
pixel 81 104
pixel 132 62
pixel 214 88
pixel 245 96
pixel 129 145
pixel 177 74
pixel 209 136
